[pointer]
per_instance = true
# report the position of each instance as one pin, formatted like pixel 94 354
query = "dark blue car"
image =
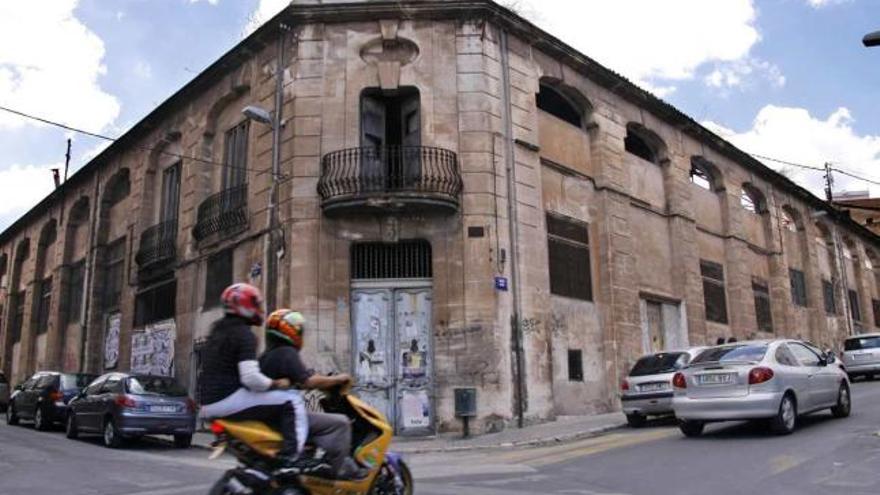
pixel 43 398
pixel 121 406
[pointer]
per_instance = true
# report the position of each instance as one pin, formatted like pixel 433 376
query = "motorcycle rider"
pixel 331 432
pixel 231 383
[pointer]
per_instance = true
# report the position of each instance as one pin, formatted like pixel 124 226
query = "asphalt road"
pixel 824 456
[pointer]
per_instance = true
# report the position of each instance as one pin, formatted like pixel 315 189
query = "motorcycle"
pixel 255 445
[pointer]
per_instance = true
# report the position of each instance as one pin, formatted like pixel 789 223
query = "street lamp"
pixel 258 114
pixel 872 39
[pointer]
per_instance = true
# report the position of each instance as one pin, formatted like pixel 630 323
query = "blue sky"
pixel 782 78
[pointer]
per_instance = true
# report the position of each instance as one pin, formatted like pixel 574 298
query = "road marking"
pixel 782 463
pixel 176 491
pixel 552 455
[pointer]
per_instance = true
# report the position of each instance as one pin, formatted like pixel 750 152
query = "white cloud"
pixel 265 10
pixel 50 64
pixel 653 43
pixel 212 2
pixel 738 74
pixel 143 70
pixel 818 4
pixel 792 134
pixel 21 186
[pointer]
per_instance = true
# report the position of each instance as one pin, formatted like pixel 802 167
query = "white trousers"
pixel 243 399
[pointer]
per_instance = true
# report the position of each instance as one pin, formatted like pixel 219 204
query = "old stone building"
pixel 463 200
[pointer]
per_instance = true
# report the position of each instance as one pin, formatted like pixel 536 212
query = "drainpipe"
pixel 510 163
pixel 89 278
pixel 272 245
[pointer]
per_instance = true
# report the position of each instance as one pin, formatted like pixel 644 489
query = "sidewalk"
pixel 564 429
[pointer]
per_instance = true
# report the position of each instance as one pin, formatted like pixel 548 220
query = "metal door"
pixel 656 334
pixel 393 355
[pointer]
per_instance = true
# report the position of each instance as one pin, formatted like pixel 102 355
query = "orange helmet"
pixel 286 325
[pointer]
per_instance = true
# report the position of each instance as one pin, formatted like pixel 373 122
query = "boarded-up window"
pixel 218 277
pixel 798 287
pixel 114 273
pixel 568 246
pixel 75 292
pixel 854 307
pixel 575 365
pixel 713 291
pixel 43 305
pixel 875 305
pixel 17 317
pixel 763 315
pixel 235 156
pixel 155 304
pixel 828 296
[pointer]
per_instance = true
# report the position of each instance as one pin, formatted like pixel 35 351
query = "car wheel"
pixel 11 417
pixel 635 420
pixel 844 402
pixel 183 441
pixel 786 418
pixel 691 428
pixel 39 419
pixel 112 438
pixel 70 428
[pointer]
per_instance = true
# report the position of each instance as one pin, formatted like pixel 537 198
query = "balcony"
pixel 222 213
pixel 158 246
pixel 393 178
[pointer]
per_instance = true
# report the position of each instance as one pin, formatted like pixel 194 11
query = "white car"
pixel 861 355
pixel 776 380
pixel 647 390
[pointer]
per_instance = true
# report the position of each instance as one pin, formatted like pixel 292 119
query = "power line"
pixel 112 139
pixel 786 162
pixel 854 176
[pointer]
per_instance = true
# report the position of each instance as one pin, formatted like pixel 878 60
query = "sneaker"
pixel 351 470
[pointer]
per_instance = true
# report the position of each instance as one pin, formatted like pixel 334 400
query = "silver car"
pixel 647 391
pixel 861 355
pixel 776 380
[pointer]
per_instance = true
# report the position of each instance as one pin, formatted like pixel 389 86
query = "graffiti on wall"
pixel 111 341
pixel 152 349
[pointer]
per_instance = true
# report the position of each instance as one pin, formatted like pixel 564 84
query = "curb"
pixel 535 442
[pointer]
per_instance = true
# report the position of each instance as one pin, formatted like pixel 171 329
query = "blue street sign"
pixel 501 283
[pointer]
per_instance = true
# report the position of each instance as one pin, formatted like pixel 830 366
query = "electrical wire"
pixel 786 162
pixel 112 139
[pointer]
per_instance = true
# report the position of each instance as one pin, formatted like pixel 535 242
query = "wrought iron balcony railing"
pixel 158 244
pixel 393 175
pixel 224 212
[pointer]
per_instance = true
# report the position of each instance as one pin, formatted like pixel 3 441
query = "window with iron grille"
pixel 75 292
pixel 18 299
pixel 218 277
pixel 713 291
pixel 378 260
pixel 114 273
pixel 854 307
pixel 568 249
pixel 763 314
pixel 875 305
pixel 235 155
pixel 798 287
pixel 156 303
pixel 575 365
pixel 828 297
pixel 43 305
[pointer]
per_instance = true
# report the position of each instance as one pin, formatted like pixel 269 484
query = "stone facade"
pixel 476 70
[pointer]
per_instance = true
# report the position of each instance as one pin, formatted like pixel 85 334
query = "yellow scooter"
pixel 255 445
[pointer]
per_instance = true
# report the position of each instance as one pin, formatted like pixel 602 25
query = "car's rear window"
pixel 859 343
pixel 151 385
pixel 659 363
pixel 729 354
pixel 70 381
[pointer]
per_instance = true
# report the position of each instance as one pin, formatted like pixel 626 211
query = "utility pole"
pixel 67 160
pixel 841 283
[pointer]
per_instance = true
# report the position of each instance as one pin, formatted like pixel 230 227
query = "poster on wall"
pixel 111 341
pixel 415 409
pixel 152 349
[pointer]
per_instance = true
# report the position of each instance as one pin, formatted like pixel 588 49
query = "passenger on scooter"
pixel 231 383
pixel 331 432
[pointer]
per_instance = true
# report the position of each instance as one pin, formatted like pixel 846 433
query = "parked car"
pixel 777 380
pixel 43 398
pixel 122 406
pixel 4 392
pixel 861 355
pixel 647 391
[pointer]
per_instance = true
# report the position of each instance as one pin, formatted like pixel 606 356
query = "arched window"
pixel 636 145
pixel 788 223
pixel 701 176
pixel 117 188
pixel 752 200
pixel 556 104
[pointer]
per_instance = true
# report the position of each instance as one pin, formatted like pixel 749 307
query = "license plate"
pixel 716 379
pixel 652 387
pixel 163 409
pixel 862 357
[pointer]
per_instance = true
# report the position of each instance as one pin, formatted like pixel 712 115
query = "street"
pixel 823 456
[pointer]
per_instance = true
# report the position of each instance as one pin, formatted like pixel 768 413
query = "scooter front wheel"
pixel 396 481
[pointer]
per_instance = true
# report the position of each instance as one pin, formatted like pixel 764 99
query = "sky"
pixel 785 79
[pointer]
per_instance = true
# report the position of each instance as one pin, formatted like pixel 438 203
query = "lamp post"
pixel 872 39
pixel 273 119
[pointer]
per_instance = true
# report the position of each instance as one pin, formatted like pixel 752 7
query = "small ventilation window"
pixel 575 365
pixel 552 102
pixel 380 260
